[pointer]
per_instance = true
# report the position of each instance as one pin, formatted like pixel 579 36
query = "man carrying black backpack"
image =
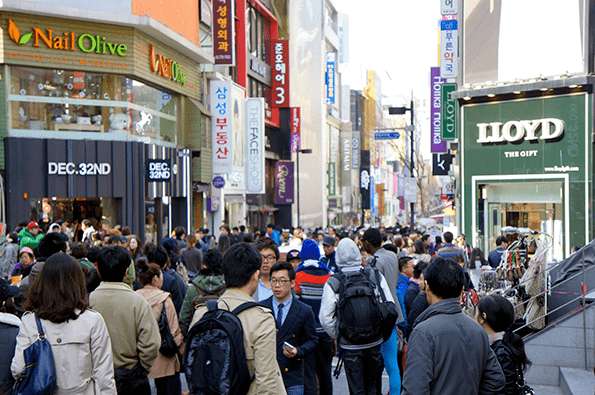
pixel 350 313
pixel 241 268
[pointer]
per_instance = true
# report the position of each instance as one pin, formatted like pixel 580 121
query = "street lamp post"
pixel 401 111
pixel 303 151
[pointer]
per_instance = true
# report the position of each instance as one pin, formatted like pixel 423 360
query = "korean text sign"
pixel 280 73
pixel 223 32
pixel 255 173
pixel 295 128
pixel 221 126
pixel 449 54
pixel 449 7
pixel 330 77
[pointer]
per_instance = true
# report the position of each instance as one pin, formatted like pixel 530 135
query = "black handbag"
pixel 388 311
pixel 40 369
pixel 168 345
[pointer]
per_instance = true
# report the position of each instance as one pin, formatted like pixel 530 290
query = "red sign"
pixel 78 80
pixel 223 32
pixel 295 129
pixel 280 73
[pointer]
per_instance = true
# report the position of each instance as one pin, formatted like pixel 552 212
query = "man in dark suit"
pixel 296 328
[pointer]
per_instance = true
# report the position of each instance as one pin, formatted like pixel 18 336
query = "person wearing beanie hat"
pixel 361 360
pixel 30 236
pixel 310 278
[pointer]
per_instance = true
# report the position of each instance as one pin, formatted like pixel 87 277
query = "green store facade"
pixel 526 161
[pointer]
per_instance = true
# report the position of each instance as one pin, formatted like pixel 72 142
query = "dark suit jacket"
pixel 299 330
pixel 495 256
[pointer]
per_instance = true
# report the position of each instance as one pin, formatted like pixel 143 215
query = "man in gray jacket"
pixel 361 360
pixel 448 352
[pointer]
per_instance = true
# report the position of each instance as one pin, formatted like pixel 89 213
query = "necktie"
pixel 280 315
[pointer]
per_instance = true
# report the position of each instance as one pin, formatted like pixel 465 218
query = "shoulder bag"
pixel 168 345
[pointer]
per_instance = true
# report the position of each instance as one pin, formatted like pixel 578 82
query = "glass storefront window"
pixel 65 100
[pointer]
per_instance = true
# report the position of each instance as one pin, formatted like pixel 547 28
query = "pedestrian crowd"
pixel 236 313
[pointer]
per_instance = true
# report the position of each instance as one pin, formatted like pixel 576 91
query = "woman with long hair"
pixel 496 315
pixel 135 247
pixel 78 336
pixel 166 370
pixel 476 258
pixel 192 257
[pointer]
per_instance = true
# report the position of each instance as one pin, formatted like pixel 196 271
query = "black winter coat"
pixel 508 365
pixel 9 329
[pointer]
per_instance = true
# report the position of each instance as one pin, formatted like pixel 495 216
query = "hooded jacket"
pixel 348 261
pixel 449 353
pixel 201 285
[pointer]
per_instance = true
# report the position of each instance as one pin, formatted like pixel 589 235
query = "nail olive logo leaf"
pixel 13 32
pixel 25 38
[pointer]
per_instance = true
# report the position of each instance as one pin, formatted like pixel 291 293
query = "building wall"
pixel 181 16
pixel 117 6
pixel 308 93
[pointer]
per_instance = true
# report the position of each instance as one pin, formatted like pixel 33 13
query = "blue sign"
pixel 386 136
pixel 218 182
pixel 449 25
pixel 330 78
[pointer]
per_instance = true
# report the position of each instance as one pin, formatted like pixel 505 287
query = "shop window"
pixel 76 101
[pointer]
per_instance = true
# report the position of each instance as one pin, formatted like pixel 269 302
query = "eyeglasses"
pixel 280 282
pixel 270 258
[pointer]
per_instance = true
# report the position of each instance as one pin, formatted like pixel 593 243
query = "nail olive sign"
pixel 67 41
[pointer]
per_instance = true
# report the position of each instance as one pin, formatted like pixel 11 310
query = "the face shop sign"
pixel 158 170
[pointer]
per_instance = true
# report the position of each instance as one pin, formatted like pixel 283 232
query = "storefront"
pixel 527 163
pixel 88 105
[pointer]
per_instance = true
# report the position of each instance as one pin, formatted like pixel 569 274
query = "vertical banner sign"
pixel 221 126
pixel 280 73
pixel 401 191
pixel 395 184
pixel 410 189
pixel 295 134
pixel 373 197
pixel 437 144
pixel 284 182
pixel 449 54
pixel 330 77
pixel 441 164
pixel 255 146
pixel 364 179
pixel 449 112
pixel 449 7
pixel 355 149
pixel 332 179
pixel 223 32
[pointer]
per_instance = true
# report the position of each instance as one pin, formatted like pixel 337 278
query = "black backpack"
pixel 358 310
pixel 215 359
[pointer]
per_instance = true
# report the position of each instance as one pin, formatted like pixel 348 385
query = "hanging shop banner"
pixel 449 54
pixel 401 191
pixel 332 179
pixel 364 178
pixel 238 106
pixel 441 164
pixel 449 7
pixel 295 130
pixel 280 74
pixel 448 112
pixel 355 149
pixel 284 181
pixel 373 197
pixel 410 189
pixel 223 32
pixel 221 125
pixel 437 144
pixel 330 77
pixel 254 153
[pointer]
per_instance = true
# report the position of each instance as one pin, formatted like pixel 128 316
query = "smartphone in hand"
pixel 288 346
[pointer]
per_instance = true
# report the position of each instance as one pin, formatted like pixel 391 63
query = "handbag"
pixel 388 311
pixel 168 347
pixel 40 369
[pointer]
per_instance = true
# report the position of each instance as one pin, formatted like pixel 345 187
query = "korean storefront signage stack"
pixel 280 74
pixel 255 182
pixel 223 32
pixel 449 113
pixel 221 126
pixel 330 77
pixel 449 49
pixel 437 144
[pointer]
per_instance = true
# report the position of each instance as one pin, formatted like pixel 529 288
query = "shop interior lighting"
pixel 491 95
pixel 517 92
pixel 466 98
pixel 573 86
pixel 543 89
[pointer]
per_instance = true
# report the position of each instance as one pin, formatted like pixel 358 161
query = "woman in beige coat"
pixel 166 369
pixel 78 336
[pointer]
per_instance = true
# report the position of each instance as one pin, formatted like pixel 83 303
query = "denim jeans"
pixel 361 369
pixel 295 390
pixel 390 350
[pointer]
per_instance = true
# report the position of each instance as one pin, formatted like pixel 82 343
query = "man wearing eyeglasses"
pixel 296 328
pixel 270 254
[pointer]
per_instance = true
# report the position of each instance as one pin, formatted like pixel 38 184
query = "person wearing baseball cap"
pixel 30 236
pixel 293 257
pixel 328 244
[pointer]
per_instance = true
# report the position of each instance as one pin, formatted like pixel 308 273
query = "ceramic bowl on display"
pixel 83 120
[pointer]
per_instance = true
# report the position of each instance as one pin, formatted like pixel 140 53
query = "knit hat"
pixel 169 244
pixel 348 254
pixel 310 250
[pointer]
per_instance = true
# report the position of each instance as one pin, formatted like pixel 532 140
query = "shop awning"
pixel 202 108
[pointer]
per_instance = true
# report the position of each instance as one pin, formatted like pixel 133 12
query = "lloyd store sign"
pixel 516 131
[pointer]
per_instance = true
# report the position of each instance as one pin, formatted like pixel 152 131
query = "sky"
pixel 399 40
